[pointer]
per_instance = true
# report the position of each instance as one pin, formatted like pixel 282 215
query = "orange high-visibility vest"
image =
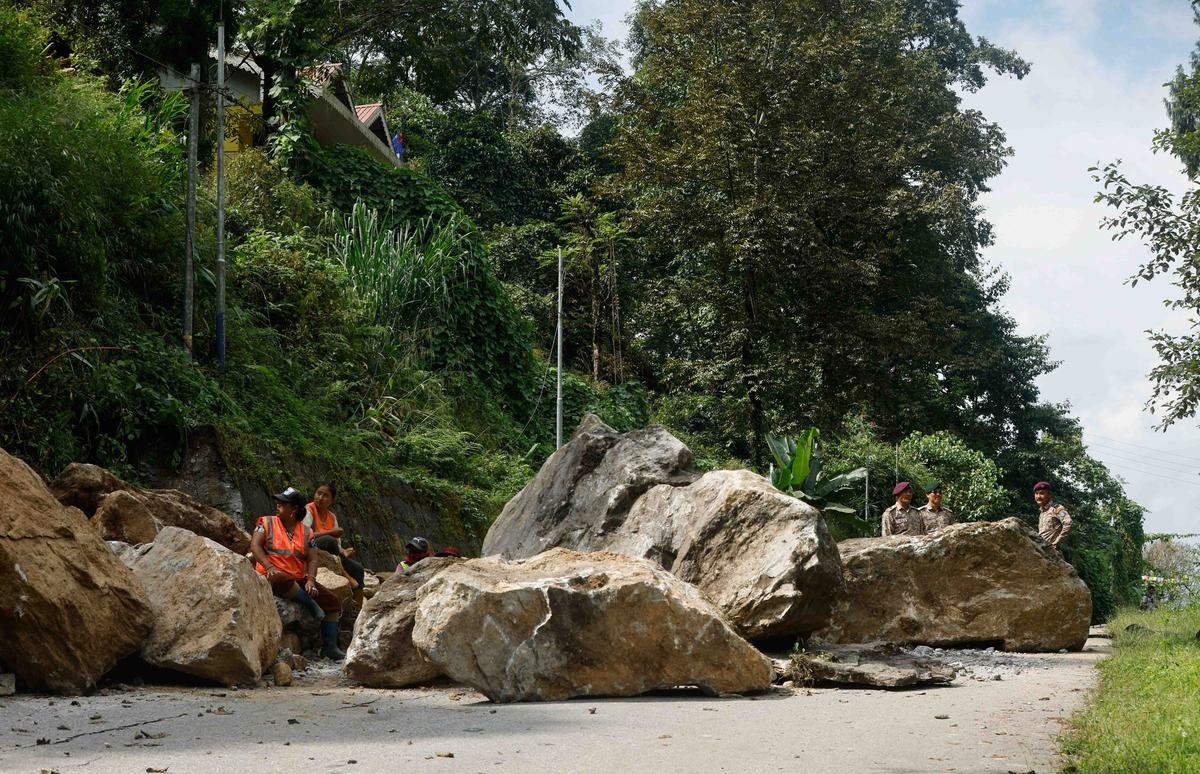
pixel 329 523
pixel 287 553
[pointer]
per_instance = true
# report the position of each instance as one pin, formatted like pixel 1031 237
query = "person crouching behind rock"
pixel 327 534
pixel 414 551
pixel 280 545
pixel 901 518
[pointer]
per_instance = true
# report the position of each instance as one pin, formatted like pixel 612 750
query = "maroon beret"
pixel 900 488
pixel 1039 486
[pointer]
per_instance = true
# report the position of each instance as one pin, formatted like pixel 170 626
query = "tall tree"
pixel 1168 224
pixel 808 179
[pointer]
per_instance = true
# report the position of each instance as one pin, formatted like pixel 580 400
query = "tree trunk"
pixel 595 272
pixel 749 371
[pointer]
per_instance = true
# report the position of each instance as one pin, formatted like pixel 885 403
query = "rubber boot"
pixel 329 633
pixel 303 598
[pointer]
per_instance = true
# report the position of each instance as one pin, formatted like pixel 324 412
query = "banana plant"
pixel 797 471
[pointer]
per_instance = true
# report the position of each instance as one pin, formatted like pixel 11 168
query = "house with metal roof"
pixel 334 117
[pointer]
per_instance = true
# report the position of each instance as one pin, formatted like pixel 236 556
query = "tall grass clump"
pixel 407 276
pixel 1144 716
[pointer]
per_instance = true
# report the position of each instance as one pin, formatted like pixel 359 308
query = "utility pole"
pixel 558 410
pixel 867 495
pixel 221 192
pixel 190 246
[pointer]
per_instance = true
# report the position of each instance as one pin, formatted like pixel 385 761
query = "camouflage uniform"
pixel 1054 524
pixel 935 520
pixel 903 521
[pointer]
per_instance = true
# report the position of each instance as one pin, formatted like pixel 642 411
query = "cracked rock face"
pixel 985 582
pixel 70 609
pixel 766 559
pixel 214 616
pixel 382 654
pixel 566 624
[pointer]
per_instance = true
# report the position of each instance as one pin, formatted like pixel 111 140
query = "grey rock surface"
pixel 878 665
pixel 989 583
pixel 214 616
pixel 565 624
pixel 766 559
pixel 381 653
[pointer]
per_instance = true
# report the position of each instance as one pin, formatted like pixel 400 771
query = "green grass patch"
pixel 1146 714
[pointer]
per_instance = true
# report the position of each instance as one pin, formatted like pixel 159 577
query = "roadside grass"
pixel 1146 713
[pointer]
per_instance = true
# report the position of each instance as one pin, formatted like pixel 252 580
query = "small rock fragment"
pixel 281 673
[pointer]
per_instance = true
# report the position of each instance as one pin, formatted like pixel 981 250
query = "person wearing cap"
pixel 1054 523
pixel 901 518
pixel 933 513
pixel 280 545
pixel 414 551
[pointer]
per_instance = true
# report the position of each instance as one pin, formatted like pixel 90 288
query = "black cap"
pixel 418 544
pixel 292 497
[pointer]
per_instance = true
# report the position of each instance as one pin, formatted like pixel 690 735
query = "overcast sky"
pixel 1094 95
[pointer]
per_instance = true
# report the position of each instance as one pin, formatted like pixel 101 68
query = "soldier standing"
pixel 1054 523
pixel 901 518
pixel 935 516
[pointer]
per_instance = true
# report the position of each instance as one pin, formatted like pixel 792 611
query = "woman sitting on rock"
pixel 327 534
pixel 280 545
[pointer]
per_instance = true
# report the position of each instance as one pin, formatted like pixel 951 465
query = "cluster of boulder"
pixel 590 581
pixel 619 569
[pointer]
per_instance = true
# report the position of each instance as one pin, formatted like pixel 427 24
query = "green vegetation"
pixel 1144 715
pixel 799 470
pixel 771 224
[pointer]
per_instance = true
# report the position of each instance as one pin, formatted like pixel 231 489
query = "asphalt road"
pixel 317 725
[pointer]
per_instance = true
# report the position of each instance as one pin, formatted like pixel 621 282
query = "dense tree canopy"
pixel 807 181
pixel 771 222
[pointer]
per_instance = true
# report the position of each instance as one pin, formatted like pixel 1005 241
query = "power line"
pixel 1129 456
pixel 1130 469
pixel 1146 448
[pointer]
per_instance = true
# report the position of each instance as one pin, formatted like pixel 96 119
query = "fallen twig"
pixel 107 730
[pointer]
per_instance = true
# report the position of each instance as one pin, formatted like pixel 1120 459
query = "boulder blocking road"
pixel 318 724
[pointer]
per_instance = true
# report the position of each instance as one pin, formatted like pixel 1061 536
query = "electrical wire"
pixel 1146 448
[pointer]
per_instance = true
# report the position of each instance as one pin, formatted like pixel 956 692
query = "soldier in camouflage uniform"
pixel 935 515
pixel 901 518
pixel 1054 523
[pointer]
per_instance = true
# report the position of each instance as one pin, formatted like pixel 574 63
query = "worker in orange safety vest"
pixel 280 545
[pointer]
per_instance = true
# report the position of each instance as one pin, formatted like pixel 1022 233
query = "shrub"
pixel 261 196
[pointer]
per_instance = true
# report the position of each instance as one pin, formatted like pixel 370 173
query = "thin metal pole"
pixel 558 410
pixel 190 246
pixel 221 195
pixel 867 495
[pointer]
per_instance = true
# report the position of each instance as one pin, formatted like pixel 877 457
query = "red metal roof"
pixel 367 113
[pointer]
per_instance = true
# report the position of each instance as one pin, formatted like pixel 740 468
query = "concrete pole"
pixel 221 195
pixel 190 245
pixel 558 411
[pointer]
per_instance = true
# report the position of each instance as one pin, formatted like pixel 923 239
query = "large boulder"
pixel 83 486
pixel 89 488
pixel 70 609
pixel 968 584
pixel 566 624
pixel 382 654
pixel 214 616
pixel 124 517
pixel 584 491
pixel 335 583
pixel 767 559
